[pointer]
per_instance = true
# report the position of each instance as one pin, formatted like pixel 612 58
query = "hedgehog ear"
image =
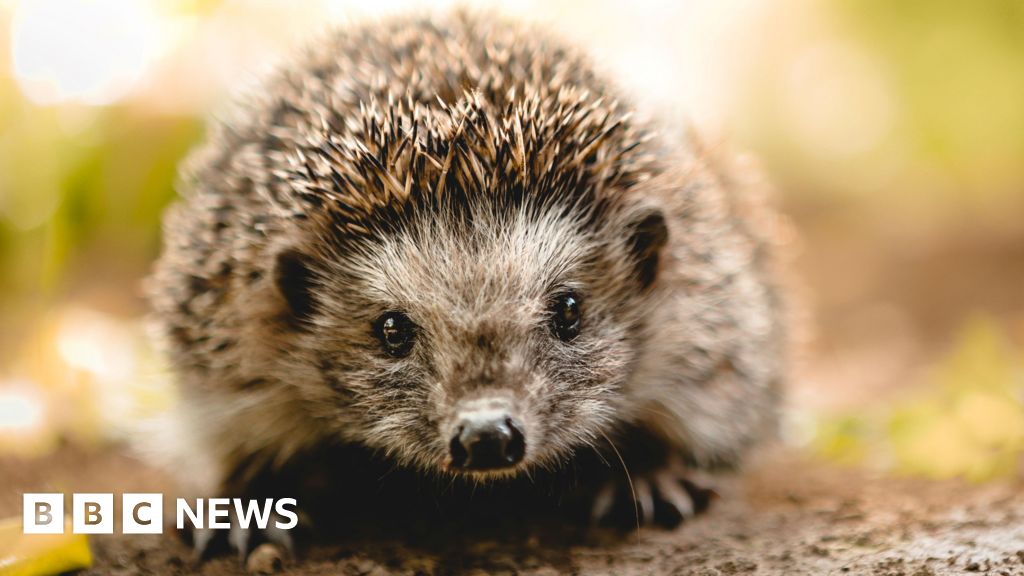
pixel 294 279
pixel 648 236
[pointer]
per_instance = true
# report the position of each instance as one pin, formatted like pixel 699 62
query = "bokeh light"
pixel 24 428
pixel 21 409
pixel 893 132
pixel 89 51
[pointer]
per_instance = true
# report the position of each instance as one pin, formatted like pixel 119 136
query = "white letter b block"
pixel 43 514
pixel 93 513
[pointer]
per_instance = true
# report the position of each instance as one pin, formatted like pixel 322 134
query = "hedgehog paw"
pixel 270 546
pixel 662 497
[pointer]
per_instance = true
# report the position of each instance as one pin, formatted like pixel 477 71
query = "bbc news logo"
pixel 143 513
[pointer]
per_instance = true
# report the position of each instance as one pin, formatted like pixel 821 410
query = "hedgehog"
pixel 446 245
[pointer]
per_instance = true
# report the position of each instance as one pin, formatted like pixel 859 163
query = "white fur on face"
pixel 480 295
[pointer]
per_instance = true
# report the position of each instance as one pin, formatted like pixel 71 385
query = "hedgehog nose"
pixel 483 442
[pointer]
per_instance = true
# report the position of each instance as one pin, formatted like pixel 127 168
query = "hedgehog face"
pixel 483 344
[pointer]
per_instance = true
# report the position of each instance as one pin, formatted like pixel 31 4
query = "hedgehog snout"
pixel 486 436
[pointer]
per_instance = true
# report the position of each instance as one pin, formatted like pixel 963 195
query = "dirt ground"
pixel 784 515
pixel 884 307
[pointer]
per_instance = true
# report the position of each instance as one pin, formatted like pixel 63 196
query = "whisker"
pixel 529 475
pixel 600 456
pixel 657 412
pixel 636 507
pixel 388 473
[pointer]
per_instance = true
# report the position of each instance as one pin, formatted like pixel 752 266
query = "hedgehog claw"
pixel 282 538
pixel 665 497
pixel 239 539
pixel 203 544
pixel 245 540
pixel 207 542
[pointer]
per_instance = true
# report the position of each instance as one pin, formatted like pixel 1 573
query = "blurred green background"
pixel 894 132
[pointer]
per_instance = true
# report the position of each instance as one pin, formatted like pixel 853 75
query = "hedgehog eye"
pixel 397 333
pixel 566 317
